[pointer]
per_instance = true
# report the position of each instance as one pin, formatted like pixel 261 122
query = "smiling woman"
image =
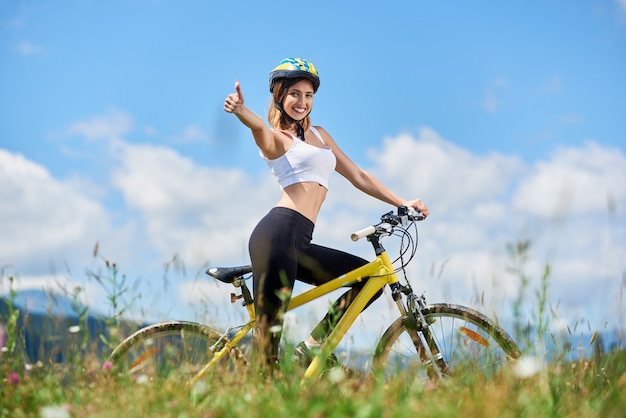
pixel 302 158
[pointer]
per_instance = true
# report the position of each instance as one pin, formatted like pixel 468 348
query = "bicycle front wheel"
pixel 467 341
pixel 174 350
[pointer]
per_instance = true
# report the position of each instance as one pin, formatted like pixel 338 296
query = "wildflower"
pixel 74 329
pixel 336 375
pixel 199 388
pixel 526 367
pixel 275 329
pixel 13 378
pixel 54 412
pixel 2 333
pixel 107 365
pixel 429 386
pixel 141 379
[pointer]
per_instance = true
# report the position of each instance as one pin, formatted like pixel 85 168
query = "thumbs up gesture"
pixel 234 101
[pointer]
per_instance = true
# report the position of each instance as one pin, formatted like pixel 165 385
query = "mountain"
pixel 47 332
pixel 49 326
pixel 36 301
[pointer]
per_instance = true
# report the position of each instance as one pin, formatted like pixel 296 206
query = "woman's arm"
pixel 264 137
pixel 365 182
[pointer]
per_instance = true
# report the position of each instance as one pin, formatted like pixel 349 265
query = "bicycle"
pixel 433 341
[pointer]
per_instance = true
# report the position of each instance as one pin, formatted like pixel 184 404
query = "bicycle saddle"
pixel 228 274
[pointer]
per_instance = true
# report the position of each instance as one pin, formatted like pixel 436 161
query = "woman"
pixel 302 158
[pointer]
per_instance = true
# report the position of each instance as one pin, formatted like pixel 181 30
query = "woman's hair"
pixel 277 118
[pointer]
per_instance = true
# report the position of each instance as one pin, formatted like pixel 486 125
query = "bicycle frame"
pixel 378 273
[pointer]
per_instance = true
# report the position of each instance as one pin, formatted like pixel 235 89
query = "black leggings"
pixel 281 252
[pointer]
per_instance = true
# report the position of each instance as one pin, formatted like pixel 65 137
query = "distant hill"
pixel 36 301
pixel 47 326
pixel 46 335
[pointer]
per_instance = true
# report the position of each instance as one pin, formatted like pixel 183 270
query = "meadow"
pixel 84 384
pixel 83 388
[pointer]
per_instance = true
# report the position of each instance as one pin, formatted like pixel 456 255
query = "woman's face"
pixel 298 100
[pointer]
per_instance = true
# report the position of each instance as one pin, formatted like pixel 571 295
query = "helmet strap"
pixel 299 128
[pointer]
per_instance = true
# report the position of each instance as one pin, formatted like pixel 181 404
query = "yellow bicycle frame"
pixel 378 273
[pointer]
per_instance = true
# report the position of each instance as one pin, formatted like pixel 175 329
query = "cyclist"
pixel 301 157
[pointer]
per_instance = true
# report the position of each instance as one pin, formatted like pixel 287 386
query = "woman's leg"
pixel 321 264
pixel 273 254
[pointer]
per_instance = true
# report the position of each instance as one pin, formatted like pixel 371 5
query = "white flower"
pixel 275 329
pixel 336 375
pixel 199 388
pixel 526 367
pixel 74 329
pixel 54 412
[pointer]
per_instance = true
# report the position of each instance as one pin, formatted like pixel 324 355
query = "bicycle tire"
pixel 470 344
pixel 173 350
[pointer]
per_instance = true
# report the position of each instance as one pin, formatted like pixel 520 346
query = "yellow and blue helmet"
pixel 295 68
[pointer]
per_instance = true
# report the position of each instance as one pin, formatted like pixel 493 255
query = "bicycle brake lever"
pixel 403 215
pixel 385 227
pixel 415 215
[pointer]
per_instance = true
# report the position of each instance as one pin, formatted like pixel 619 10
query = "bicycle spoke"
pixel 174 350
pixel 467 341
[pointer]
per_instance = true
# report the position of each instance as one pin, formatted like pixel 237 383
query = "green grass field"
pixel 83 388
pixel 590 384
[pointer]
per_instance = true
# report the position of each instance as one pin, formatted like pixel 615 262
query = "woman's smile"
pixel 301 110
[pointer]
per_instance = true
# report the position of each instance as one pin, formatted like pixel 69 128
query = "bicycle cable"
pixel 408 244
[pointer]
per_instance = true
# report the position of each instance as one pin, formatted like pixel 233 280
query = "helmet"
pixel 295 68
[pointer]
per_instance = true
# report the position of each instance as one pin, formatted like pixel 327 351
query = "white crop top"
pixel 303 162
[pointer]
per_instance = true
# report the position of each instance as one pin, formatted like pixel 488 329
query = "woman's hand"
pixel 234 101
pixel 417 204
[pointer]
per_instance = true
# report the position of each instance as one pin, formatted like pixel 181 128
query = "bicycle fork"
pixel 417 325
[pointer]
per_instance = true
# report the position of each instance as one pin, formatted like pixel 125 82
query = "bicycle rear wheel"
pixel 174 350
pixel 469 343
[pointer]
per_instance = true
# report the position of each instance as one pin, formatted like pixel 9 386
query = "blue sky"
pixel 507 118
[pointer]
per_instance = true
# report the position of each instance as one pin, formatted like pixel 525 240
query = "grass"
pixel 585 388
pixel 589 386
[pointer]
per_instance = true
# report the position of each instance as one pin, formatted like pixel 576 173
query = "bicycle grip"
pixel 355 236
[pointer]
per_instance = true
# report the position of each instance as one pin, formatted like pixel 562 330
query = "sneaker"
pixel 303 356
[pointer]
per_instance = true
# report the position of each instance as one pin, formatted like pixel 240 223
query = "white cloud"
pixel 551 86
pixel 201 213
pixel 42 215
pixel 576 181
pixel 112 125
pixel 437 170
pixel 479 203
pixel 191 133
pixel 28 49
pixel 495 94
pixel 90 294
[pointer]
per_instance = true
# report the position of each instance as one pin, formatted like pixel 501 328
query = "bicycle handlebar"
pixel 365 232
pixel 389 220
